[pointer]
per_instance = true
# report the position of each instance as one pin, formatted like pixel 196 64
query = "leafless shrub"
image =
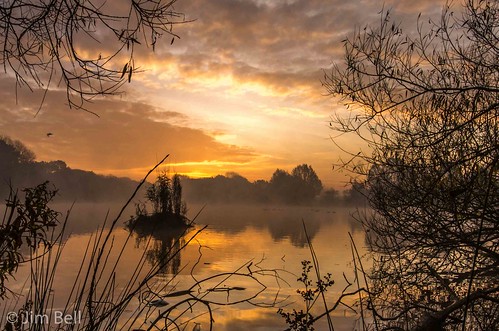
pixel 87 47
pixel 427 106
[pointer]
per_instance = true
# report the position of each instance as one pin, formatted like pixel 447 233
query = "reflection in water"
pixel 293 230
pixel 235 236
pixel 163 244
pixel 166 252
pixel 282 222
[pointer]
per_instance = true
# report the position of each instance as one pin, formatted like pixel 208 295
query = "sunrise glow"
pixel 240 91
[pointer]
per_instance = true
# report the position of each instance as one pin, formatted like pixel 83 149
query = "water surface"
pixel 239 239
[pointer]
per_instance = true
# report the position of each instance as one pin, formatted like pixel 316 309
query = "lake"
pixel 262 245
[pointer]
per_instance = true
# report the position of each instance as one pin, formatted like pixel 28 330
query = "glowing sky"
pixel 240 91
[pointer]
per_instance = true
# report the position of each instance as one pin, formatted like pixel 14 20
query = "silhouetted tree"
pixel 356 194
pixel 54 167
pixel 262 191
pixel 165 194
pixel 42 42
pixel 176 195
pixel 220 189
pixel 310 185
pixel 329 197
pixel 160 195
pixel 429 105
pixel 16 165
pixel 19 168
pixel 283 186
pixel 302 186
pixel 15 152
pixel 234 188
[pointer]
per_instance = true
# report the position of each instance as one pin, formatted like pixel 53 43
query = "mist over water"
pixel 269 236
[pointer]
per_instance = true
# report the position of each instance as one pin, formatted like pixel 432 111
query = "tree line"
pixel 301 186
pixel 19 169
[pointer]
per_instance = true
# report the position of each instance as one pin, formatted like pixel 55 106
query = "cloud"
pixel 127 135
pixel 269 48
pixel 248 68
pixel 257 47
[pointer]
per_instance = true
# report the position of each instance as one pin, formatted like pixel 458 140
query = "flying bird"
pixel 49 134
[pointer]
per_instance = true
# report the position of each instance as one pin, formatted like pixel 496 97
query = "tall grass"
pixel 97 301
pixel 313 293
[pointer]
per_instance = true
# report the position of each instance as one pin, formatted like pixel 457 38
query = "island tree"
pixel 165 195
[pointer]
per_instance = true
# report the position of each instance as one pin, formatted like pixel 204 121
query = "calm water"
pixel 266 237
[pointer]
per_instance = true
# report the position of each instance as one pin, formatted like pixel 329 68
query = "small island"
pixel 169 209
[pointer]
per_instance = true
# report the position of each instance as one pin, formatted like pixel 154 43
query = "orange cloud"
pixel 250 69
pixel 127 135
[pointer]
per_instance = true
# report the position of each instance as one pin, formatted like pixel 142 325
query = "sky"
pixel 240 91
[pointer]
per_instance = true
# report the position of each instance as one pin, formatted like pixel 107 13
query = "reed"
pixel 96 301
pixel 313 292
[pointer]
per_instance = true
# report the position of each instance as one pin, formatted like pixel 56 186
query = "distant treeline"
pixel 19 169
pixel 302 186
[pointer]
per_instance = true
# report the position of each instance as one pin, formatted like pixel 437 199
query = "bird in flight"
pixel 49 134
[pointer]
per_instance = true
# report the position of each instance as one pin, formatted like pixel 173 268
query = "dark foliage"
pixel 429 105
pixel 27 225
pixel 169 208
pixel 165 195
pixel 19 168
pixel 302 186
pixel 303 320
